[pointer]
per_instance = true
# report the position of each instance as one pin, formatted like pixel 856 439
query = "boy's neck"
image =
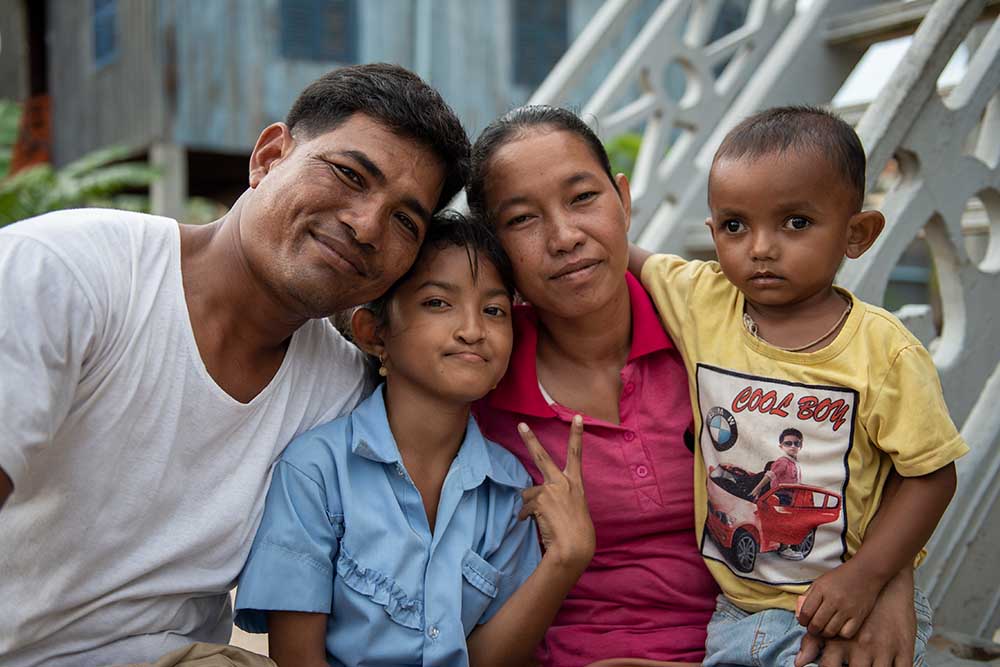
pixel 796 324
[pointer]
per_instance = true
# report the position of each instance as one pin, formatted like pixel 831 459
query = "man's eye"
pixel 733 226
pixel 409 225
pixel 798 224
pixel 349 174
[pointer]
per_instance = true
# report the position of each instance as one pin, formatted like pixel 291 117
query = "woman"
pixel 590 342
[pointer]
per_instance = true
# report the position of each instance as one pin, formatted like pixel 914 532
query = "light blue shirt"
pixel 344 533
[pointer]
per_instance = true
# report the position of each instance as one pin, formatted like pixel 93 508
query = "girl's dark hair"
pixel 451 228
pixel 511 126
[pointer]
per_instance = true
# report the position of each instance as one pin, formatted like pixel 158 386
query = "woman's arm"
pixel 297 639
pixel 567 533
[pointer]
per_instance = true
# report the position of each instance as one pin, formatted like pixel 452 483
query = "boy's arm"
pixel 567 533
pixel 840 600
pixel 637 259
pixel 297 639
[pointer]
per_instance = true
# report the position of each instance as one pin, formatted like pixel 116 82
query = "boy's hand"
pixel 839 602
pixel 558 504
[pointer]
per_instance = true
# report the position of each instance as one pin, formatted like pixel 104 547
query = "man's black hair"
pixel 452 229
pixel 791 431
pixel 510 127
pixel 798 128
pixel 398 99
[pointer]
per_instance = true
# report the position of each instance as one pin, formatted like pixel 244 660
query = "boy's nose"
pixel 763 246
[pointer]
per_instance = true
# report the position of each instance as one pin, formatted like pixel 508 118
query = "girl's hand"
pixel 558 504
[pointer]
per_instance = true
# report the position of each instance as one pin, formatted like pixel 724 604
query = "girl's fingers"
pixel 530 493
pixel 542 460
pixel 574 450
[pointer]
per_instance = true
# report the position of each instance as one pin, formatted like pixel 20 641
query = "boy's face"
pixel 780 223
pixel 791 445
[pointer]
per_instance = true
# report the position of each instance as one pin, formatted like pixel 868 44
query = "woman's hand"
pixel 559 504
pixel 886 638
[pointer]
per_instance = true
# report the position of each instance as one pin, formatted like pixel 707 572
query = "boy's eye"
pixel 796 223
pixel 733 226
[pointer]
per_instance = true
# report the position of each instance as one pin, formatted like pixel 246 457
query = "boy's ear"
pixel 274 143
pixel 711 228
pixel 621 182
pixel 862 230
pixel 364 328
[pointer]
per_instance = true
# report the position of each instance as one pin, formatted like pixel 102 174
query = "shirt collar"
pixel 372 439
pixel 518 390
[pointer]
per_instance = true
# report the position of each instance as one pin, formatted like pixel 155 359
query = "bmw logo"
pixel 721 428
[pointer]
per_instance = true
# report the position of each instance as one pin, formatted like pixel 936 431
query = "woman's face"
pixel 561 221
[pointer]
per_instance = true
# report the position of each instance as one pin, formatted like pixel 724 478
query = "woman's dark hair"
pixel 511 126
pixel 398 99
pixel 447 229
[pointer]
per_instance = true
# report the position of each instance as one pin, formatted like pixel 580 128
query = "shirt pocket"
pixel 381 590
pixel 480 585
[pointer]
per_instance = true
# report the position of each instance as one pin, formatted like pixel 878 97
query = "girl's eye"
pixel 733 226
pixel 435 303
pixel 494 311
pixel 584 196
pixel 797 224
pixel 517 220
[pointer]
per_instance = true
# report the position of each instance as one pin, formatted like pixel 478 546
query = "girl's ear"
pixel 364 328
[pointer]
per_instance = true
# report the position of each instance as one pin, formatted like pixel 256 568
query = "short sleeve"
pixel 670 281
pixel 48 328
pixel 291 562
pixel 909 419
pixel 516 558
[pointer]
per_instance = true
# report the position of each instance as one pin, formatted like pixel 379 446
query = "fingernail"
pixel 522 427
pixel 577 420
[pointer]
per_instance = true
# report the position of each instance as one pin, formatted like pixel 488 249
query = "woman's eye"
pixel 733 226
pixel 584 196
pixel 798 224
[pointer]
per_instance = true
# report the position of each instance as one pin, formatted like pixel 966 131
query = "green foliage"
pixel 10 118
pixel 622 151
pixel 96 179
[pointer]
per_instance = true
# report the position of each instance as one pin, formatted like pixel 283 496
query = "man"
pixel 152 372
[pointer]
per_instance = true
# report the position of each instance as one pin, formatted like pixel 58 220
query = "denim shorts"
pixel 771 638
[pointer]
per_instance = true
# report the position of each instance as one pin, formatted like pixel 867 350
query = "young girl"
pixel 396 535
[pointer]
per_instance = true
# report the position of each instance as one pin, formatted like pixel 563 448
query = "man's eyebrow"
pixel 368 165
pixel 419 209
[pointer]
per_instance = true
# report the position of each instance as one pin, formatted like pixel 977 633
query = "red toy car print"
pixel 782 519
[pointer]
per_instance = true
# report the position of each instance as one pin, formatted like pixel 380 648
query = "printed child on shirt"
pixel 398 534
pixel 773 347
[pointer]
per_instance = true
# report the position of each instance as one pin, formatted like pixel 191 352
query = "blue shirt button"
pixel 433 632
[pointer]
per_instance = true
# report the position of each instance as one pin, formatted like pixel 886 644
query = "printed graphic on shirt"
pixel 775 454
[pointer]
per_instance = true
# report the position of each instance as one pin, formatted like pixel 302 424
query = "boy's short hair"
pixel 452 229
pixel 791 431
pixel 781 129
pixel 396 98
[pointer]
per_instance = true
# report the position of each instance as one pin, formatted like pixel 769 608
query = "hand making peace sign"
pixel 558 503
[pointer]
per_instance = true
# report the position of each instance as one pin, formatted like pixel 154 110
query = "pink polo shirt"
pixel 647 593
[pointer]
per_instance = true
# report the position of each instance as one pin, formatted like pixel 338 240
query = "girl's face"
pixel 448 334
pixel 560 220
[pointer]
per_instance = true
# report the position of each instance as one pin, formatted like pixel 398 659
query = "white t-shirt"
pixel 139 482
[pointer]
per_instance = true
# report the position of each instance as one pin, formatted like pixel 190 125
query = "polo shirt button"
pixel 641 471
pixel 629 436
pixel 433 632
pixel 629 388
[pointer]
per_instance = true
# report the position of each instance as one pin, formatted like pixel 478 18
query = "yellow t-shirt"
pixel 868 401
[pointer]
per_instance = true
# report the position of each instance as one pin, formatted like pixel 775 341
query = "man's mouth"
pixel 340 253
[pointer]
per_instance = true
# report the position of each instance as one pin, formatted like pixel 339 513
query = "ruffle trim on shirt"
pixel 381 590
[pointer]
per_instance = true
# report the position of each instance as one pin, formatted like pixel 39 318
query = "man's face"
pixel 335 219
pixel 791 445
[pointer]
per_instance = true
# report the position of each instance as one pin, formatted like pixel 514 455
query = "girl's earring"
pixel 382 370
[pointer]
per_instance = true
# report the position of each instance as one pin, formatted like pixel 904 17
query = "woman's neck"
pixel 596 339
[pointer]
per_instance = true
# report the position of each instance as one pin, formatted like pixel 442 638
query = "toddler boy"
pixel 772 345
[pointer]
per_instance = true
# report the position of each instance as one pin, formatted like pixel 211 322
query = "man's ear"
pixel 365 330
pixel 274 143
pixel 625 194
pixel 862 230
